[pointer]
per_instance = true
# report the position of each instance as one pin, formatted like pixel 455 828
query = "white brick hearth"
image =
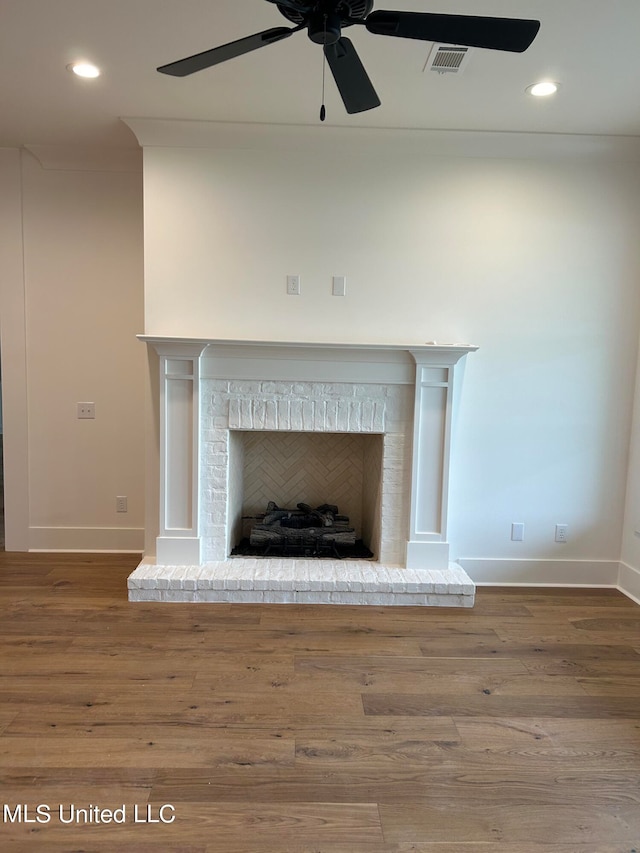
pixel 397 401
pixel 292 581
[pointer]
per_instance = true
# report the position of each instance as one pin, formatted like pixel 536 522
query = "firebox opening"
pixel 335 479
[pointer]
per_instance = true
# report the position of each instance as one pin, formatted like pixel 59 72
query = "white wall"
pixel 13 343
pixel 630 568
pixel 534 259
pixel 81 289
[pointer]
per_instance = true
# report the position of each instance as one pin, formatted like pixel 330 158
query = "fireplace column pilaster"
pixel 435 372
pixel 179 541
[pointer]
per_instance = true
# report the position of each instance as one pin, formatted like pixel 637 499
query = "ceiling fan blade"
pixel 200 61
pixel 512 34
pixel 352 80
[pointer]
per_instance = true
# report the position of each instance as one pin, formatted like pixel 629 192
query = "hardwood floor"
pixel 510 728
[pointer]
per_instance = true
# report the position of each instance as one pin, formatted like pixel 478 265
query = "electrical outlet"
pixel 561 532
pixel 517 531
pixel 86 411
pixel 121 503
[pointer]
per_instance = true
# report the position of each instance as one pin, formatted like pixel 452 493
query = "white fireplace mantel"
pixel 429 346
pixel 184 362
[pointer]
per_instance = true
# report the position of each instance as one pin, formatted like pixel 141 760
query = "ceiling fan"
pixel 325 19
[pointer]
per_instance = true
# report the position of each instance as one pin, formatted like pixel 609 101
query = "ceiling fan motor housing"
pixel 324 27
pixel 325 18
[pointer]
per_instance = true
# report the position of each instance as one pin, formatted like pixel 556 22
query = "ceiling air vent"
pixel 447 59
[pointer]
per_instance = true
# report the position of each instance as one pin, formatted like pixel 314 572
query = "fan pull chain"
pixel 323 111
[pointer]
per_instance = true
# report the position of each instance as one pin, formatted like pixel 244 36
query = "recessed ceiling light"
pixel 84 69
pixel 543 89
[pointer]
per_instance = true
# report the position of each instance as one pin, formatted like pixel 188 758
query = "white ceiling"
pixel 590 46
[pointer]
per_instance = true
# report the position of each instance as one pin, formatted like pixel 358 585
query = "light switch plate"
pixel 339 285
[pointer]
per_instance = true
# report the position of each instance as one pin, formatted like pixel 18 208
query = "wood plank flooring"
pixel 513 727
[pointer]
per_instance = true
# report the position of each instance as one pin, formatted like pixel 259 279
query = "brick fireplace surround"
pixel 214 391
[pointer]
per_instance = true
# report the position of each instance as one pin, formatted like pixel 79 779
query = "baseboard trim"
pixel 485 571
pixel 93 540
pixel 629 582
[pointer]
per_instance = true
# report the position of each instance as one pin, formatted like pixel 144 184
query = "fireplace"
pixel 238 419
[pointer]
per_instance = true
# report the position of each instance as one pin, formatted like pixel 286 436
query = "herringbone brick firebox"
pixel 314 468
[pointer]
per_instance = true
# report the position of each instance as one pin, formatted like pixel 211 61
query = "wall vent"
pixel 447 59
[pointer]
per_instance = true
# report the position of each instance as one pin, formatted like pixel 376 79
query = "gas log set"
pixel 304 531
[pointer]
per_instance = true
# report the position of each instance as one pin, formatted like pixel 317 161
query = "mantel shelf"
pixel 428 345
pixel 420 351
